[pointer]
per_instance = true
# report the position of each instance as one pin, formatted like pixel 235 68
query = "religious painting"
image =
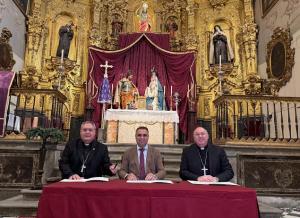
pixel 267 5
pixel 278 60
pixel 280 57
pixel 270 174
pixel 18 168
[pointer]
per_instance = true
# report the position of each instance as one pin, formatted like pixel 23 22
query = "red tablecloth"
pixel 117 199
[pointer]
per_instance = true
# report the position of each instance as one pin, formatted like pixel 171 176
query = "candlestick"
pixel 220 62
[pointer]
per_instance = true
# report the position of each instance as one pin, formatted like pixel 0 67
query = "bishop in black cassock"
pixel 204 162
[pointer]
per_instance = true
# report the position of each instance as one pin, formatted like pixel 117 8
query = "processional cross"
pixel 106 66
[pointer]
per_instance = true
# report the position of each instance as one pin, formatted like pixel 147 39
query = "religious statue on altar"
pixel 144 18
pixel 154 93
pixel 220 48
pixel 126 95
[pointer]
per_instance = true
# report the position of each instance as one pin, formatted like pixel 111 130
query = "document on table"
pixel 149 181
pixel 93 179
pixel 211 183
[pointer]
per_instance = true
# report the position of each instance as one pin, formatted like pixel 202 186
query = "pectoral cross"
pixel 204 170
pixel 106 66
pixel 82 168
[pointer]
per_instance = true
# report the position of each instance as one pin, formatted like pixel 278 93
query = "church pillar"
pixel 95 31
pixel 249 32
pixel 35 27
pixel 191 38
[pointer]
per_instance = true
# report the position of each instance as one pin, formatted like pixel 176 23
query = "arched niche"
pixel 58 21
pixel 150 11
pixel 227 28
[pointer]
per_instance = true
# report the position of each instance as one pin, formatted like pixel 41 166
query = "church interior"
pixel 229 66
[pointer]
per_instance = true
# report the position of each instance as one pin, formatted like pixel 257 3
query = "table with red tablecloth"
pixel 118 199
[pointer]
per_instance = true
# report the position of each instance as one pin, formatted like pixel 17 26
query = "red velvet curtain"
pixel 140 52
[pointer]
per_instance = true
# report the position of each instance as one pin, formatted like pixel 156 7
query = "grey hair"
pixel 89 122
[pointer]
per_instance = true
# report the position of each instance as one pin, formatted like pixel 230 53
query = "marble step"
pixel 23 204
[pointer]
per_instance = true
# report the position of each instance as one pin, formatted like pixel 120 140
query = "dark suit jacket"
pixel 97 163
pixel 219 166
pixel 130 163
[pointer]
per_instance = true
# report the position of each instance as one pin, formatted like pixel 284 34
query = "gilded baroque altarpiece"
pixel 98 23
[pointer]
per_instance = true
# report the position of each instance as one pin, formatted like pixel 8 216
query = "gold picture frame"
pixel 280 57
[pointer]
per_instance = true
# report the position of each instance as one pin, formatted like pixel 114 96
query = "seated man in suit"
pixel 204 162
pixel 142 161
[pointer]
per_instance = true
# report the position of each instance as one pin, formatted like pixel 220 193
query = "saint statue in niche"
pixel 117 26
pixel 66 34
pixel 144 18
pixel 171 26
pixel 220 47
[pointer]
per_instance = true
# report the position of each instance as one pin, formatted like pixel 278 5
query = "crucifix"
pixel 106 66
pixel 204 170
pixel 82 168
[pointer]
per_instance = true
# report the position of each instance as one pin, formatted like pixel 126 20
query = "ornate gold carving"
pixel 253 85
pixel 280 58
pixel 218 4
pixel 30 81
pixel 6 59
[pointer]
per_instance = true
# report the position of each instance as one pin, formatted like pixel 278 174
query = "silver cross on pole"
pixel 106 66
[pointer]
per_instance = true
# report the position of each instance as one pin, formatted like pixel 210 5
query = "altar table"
pixel 118 199
pixel 121 125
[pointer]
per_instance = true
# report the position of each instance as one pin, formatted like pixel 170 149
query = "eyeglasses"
pixel 87 130
pixel 140 135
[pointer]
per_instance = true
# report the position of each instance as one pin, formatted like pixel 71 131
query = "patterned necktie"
pixel 142 164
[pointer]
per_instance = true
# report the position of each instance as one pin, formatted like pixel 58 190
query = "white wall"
pixel 12 18
pixel 286 13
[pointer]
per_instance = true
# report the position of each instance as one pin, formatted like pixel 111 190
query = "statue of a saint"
pixel 171 26
pixel 220 47
pixel 117 26
pixel 126 94
pixel 154 93
pixel 144 17
pixel 65 37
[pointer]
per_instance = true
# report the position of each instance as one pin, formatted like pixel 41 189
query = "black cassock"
pixel 93 157
pixel 217 163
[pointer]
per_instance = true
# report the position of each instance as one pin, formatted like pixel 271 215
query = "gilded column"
pixel 191 38
pixel 95 31
pixel 249 31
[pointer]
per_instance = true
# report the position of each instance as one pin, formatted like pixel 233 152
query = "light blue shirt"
pixel 145 154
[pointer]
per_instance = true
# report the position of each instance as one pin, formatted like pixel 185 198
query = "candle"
pixel 164 90
pixel 112 89
pixel 187 93
pixel 89 87
pixel 62 56
pixel 220 64
pixel 171 90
